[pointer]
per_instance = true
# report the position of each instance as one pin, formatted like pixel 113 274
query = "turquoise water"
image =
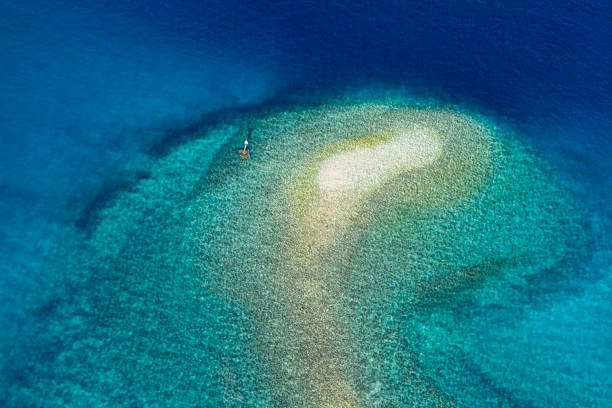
pixel 144 264
pixel 184 288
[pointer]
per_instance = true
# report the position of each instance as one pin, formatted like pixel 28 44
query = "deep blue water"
pixel 88 87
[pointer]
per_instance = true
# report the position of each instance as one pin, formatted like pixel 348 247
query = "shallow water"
pixel 141 260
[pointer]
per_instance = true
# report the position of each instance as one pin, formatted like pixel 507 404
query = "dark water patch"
pixel 564 278
pixel 442 291
pixel 89 216
pixel 496 394
pixel 48 307
pixel 579 265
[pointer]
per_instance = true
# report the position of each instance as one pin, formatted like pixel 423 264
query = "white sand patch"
pixel 362 169
pixel 346 177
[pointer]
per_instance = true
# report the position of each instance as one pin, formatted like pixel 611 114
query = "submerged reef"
pixel 348 207
pixel 305 276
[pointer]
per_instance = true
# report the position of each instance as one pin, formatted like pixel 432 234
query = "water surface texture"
pixel 423 220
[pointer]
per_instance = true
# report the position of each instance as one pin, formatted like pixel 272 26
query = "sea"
pixel 96 93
